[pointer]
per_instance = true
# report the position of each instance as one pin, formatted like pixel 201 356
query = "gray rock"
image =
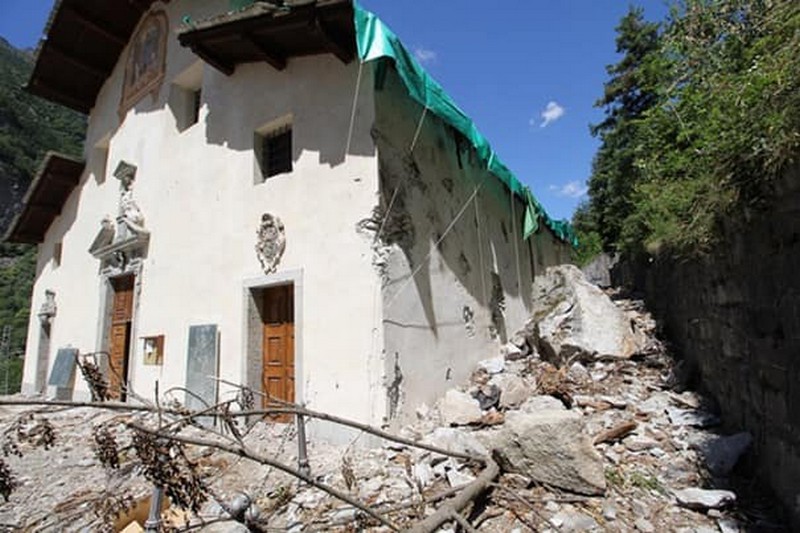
pixel 575 318
pixel 488 396
pixel 702 499
pixel 636 443
pixel 538 403
pixel 686 417
pixel 512 352
pixel 423 474
pixel 609 511
pixel 456 478
pixel 459 409
pixel 550 447
pixel 722 454
pixel 598 271
pixel 578 373
pixel 644 525
pixel 573 521
pixel 728 525
pixel 495 365
pixel 456 440
pixel 514 390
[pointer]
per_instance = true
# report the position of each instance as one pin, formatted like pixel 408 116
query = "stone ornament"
pixel 118 245
pixel 130 220
pixel 270 242
pixel 48 309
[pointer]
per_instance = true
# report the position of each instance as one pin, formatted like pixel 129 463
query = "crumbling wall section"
pixel 456 272
pixel 735 318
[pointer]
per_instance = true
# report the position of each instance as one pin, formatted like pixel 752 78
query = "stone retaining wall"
pixel 734 316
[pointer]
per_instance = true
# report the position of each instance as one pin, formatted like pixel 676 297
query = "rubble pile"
pixel 589 436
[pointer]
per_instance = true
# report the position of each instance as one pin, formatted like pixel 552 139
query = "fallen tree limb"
pixel 616 433
pixel 363 427
pixel 470 493
pixel 465 525
pixel 295 409
pixel 248 454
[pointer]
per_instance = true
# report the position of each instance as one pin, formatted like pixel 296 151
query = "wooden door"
pixel 277 379
pixel 120 335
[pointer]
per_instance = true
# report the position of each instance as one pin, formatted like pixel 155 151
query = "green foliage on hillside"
pixel 702 115
pixel 29 126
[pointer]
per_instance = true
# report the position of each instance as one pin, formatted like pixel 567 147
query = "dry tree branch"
pixel 119 406
pixel 453 507
pixel 363 427
pixel 249 454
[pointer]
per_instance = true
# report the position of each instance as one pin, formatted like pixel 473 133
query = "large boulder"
pixel 574 319
pixel 548 446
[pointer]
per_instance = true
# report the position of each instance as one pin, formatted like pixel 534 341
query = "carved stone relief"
pixel 48 309
pixel 118 247
pixel 270 243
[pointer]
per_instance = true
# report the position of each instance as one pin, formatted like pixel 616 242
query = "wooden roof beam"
pixel 46 90
pixel 223 66
pixel 332 43
pixel 96 26
pixel 267 52
pixel 82 65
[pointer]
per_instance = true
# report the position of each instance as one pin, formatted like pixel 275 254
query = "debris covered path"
pixel 586 441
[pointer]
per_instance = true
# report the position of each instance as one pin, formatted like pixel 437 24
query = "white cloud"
pixel 573 189
pixel 551 113
pixel 424 55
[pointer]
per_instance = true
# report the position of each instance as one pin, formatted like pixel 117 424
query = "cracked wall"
pixel 468 292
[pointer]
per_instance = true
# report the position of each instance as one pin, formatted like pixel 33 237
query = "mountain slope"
pixel 29 126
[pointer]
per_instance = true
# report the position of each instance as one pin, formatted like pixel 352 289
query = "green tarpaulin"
pixel 375 40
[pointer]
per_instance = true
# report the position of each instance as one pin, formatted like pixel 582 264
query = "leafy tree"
pixel 701 118
pixel 590 243
pixel 628 94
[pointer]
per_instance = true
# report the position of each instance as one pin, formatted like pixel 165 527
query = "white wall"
pixel 196 190
pixel 438 323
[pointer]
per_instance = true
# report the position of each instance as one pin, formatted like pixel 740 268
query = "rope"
pixel 516 245
pixel 388 211
pixel 353 111
pixel 419 128
pixel 480 252
pixel 405 176
pixel 435 245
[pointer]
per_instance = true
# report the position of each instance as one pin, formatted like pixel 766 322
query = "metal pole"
pixel 302 450
pixel 153 523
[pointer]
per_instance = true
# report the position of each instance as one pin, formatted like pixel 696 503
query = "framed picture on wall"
pixel 153 350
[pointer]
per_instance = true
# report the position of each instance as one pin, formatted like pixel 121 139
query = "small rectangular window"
pixel 194 114
pixel 274 151
pixel 57 254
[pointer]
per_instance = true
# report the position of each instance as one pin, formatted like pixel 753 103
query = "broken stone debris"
pixel 651 473
pixel 573 319
pixel 722 453
pixel 703 499
pixel 459 408
pixel 549 447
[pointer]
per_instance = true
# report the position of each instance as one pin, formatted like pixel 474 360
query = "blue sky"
pixel 526 71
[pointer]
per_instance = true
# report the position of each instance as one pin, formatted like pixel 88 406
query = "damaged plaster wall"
pixel 203 208
pixel 468 291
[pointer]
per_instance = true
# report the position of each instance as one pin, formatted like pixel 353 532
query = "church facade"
pixel 260 204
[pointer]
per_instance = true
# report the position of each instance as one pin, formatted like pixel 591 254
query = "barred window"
pixel 275 151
